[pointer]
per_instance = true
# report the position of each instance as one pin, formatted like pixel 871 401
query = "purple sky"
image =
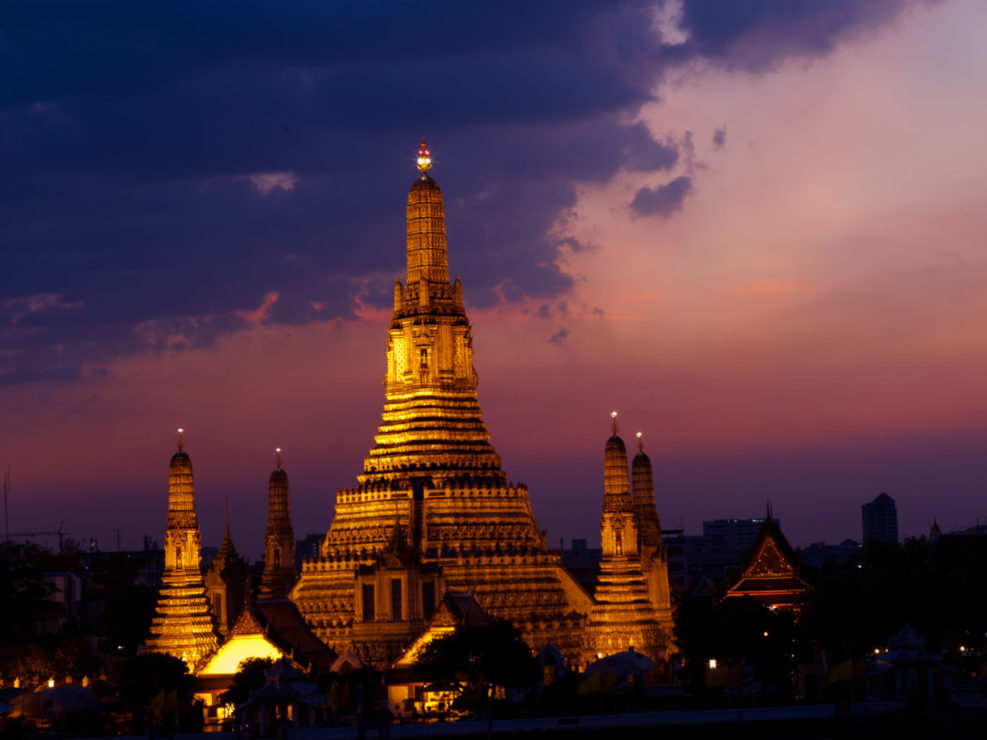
pixel 755 228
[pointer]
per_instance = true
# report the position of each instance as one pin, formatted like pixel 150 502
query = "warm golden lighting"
pixel 712 664
pixel 236 650
pixel 51 683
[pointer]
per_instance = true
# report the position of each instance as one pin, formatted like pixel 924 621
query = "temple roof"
pixel 769 572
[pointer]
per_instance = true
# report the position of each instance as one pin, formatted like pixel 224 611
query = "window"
pixel 618 537
pixel 428 599
pixel 178 558
pixel 369 608
pixel 396 612
pixel 423 358
pixel 277 558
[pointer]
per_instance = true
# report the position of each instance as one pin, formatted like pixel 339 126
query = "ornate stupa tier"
pixel 431 432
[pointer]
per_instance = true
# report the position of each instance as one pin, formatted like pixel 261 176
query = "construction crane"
pixel 60 532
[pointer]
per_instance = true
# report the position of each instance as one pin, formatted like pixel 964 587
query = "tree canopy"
pixel 472 659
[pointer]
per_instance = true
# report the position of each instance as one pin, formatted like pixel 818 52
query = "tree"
pixel 474 659
pixel 152 683
pixel 249 676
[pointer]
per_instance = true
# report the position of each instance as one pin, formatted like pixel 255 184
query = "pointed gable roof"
pixel 769 572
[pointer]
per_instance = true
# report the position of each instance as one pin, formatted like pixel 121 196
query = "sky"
pixel 756 229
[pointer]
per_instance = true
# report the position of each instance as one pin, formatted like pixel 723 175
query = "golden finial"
pixel 613 423
pixel 181 442
pixel 277 458
pixel 640 442
pixel 424 158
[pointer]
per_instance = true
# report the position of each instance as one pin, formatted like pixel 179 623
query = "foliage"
pixel 249 676
pixel 473 659
pixel 146 679
pixel 938 589
pixel 127 610
pixel 30 649
pixel 735 632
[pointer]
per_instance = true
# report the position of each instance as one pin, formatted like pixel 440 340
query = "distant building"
pixel 880 520
pixel 730 539
pixel 819 554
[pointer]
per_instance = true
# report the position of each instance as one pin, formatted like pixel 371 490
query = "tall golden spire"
pixel 183 626
pixel 428 260
pixel 643 497
pixel 431 426
pixel 279 542
pixel 616 488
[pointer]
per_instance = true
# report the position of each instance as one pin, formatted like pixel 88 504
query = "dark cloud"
pixel 720 137
pixel 167 165
pixel 663 200
pixel 757 35
pixel 560 337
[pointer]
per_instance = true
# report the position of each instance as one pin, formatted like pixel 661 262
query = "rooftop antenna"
pixel 6 513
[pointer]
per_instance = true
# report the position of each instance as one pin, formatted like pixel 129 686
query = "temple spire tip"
pixel 424 158
pixel 613 423
pixel 277 457
pixel 181 442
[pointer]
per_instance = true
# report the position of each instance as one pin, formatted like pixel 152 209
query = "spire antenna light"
pixel 424 158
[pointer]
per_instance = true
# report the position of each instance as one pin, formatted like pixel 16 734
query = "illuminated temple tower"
pixel 183 625
pixel 279 543
pixel 433 511
pixel 632 607
pixel 654 560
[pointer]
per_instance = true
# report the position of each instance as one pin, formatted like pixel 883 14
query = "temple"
pixel 633 607
pixel 433 513
pixel 433 510
pixel 183 625
pixel 769 572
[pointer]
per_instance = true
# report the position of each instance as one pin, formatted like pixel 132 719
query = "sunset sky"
pixel 755 228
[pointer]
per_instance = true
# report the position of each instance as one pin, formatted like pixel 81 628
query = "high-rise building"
pixel 880 520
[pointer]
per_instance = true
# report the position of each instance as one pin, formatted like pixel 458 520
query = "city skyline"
pixel 758 236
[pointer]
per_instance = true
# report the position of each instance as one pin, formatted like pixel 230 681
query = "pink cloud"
pixel 18 308
pixel 262 313
pixel 266 182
